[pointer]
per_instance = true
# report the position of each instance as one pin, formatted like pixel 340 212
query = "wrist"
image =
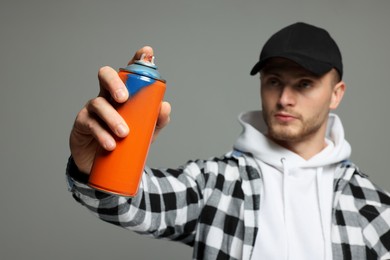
pixel 73 171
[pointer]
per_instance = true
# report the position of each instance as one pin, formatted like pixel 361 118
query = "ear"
pixel 337 95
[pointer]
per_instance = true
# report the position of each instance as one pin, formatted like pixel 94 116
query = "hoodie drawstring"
pixel 321 206
pixel 285 211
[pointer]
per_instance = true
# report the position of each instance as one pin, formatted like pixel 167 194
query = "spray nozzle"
pixel 147 58
pixel 144 66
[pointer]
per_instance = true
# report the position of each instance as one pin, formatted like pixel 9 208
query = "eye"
pixel 305 84
pixel 273 82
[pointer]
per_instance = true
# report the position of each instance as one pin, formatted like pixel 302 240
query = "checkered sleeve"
pixel 167 204
pixel 362 219
pixel 374 207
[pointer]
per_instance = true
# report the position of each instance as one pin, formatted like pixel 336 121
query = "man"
pixel 286 191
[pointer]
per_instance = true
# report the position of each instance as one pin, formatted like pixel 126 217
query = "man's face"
pixel 295 102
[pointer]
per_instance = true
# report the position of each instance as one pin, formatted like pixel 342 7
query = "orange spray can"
pixel 120 171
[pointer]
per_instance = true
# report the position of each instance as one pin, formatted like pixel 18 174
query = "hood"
pixel 253 140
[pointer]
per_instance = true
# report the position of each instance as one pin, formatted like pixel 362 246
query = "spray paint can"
pixel 120 171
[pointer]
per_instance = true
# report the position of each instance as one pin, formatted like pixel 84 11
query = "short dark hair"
pixel 336 78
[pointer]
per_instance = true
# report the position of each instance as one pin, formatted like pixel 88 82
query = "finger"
pixel 87 125
pixel 164 116
pixel 110 83
pixel 148 54
pixel 107 114
pixel 163 119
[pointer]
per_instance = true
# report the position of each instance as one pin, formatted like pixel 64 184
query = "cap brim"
pixel 258 66
pixel 314 66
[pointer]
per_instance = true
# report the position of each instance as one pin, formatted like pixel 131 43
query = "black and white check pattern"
pixel 213 206
pixel 361 219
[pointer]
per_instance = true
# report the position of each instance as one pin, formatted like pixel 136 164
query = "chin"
pixel 284 135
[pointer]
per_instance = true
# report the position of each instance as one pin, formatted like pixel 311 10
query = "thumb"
pixel 148 54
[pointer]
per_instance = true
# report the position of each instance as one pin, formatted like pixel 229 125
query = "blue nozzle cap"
pixel 144 68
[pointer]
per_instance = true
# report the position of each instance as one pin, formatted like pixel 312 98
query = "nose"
pixel 286 97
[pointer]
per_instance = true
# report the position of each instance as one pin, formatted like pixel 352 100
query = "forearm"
pixel 166 206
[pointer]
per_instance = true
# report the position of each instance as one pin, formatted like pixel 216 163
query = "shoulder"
pixel 356 195
pixel 364 189
pixel 362 209
pixel 373 204
pixel 357 186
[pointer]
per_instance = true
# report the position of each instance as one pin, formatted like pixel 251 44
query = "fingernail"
pixel 120 94
pixel 121 130
pixel 109 145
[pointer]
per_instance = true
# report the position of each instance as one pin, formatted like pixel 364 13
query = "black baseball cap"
pixel 311 47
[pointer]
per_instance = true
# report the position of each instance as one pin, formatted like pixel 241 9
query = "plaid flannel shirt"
pixel 213 206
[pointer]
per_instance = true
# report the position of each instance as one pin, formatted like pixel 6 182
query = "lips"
pixel 285 117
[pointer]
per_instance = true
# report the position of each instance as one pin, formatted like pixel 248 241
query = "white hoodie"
pixel 296 203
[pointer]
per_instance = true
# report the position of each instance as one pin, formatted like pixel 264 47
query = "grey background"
pixel 50 54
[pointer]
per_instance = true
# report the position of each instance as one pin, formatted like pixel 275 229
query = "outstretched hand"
pixel 98 123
